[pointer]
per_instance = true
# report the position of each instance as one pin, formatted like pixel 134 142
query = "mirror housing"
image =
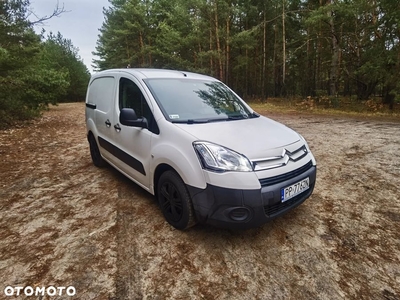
pixel 129 118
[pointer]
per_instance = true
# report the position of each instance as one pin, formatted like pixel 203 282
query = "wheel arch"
pixel 89 133
pixel 160 169
pixel 182 160
pixel 91 128
pixel 175 202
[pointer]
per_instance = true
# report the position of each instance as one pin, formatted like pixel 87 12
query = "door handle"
pixel 108 123
pixel 117 128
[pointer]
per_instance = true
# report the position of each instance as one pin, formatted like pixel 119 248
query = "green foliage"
pixel 34 74
pixel 59 54
pixel 273 47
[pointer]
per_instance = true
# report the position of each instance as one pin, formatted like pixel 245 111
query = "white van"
pixel 193 143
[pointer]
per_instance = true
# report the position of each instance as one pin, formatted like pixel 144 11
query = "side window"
pixel 101 93
pixel 130 96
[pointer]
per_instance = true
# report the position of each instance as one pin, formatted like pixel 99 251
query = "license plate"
pixel 295 189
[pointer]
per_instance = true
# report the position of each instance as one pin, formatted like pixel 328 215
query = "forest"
pixel 262 48
pixel 347 49
pixel 35 69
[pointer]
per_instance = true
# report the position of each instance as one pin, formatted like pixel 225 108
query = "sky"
pixel 79 24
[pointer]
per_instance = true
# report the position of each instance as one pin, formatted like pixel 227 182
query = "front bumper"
pixel 243 209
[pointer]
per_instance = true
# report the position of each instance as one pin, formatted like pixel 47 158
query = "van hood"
pixel 251 137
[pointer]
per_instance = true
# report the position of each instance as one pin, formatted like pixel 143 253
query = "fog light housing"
pixel 239 214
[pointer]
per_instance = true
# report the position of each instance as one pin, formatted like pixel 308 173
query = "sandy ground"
pixel 64 222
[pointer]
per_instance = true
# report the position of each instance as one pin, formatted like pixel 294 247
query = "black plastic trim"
pixel 91 105
pixel 277 208
pixel 213 205
pixel 280 178
pixel 122 155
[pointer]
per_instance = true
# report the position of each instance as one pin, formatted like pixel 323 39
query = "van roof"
pixel 155 73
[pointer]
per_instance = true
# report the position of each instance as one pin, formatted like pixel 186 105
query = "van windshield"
pixel 197 101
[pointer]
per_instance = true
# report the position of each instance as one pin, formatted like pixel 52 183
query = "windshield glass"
pixel 185 100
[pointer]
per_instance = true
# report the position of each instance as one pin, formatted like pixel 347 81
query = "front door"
pixel 134 143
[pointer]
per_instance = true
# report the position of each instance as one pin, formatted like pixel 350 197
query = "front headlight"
pixel 308 149
pixel 217 158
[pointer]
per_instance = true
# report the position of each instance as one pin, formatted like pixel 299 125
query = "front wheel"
pixel 174 200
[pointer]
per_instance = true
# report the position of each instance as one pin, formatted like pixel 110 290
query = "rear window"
pixel 101 93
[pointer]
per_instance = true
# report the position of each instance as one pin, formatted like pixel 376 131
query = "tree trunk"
pixel 228 21
pixel 318 61
pixel 150 55
pixel 389 97
pixel 128 55
pixel 221 72
pixel 247 73
pixel 141 48
pixel 308 82
pixel 333 78
pixel 264 63
pixel 283 44
pixel 211 51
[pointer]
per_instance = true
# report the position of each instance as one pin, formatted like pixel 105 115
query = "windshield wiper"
pixel 244 116
pixel 238 117
pixel 191 121
pixel 254 115
pixel 228 118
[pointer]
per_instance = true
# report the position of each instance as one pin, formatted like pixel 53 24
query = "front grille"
pixel 281 160
pixel 278 207
pixel 287 176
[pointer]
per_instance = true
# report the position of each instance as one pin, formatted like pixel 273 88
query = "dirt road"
pixel 64 222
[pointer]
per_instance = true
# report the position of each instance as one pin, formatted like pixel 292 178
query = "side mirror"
pixel 128 117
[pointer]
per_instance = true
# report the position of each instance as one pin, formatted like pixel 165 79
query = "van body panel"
pixel 252 137
pixel 238 172
pixel 182 159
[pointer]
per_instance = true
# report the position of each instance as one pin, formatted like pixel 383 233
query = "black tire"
pixel 174 200
pixel 98 161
